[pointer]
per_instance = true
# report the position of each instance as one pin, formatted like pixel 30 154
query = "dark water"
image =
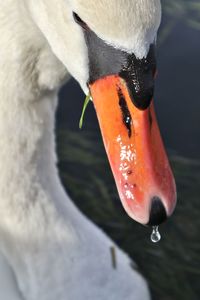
pixel 178 91
pixel 177 94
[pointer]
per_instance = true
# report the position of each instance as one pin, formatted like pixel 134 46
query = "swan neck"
pixel 39 225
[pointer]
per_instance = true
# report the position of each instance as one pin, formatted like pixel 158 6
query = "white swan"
pixel 49 249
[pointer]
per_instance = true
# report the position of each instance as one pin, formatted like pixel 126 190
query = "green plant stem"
pixel 86 102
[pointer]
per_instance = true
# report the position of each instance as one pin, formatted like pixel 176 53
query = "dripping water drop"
pixel 155 236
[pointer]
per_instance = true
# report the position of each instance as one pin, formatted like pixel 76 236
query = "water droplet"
pixel 155 236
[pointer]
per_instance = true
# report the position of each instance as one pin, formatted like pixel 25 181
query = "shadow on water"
pixel 171 267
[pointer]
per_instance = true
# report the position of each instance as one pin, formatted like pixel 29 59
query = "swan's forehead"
pixel 128 24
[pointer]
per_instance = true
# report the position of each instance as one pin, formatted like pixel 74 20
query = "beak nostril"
pixel 157 213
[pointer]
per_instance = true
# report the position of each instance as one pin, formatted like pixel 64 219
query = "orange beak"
pixel 135 151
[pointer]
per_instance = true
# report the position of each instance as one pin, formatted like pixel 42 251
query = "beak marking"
pixel 150 118
pixel 126 116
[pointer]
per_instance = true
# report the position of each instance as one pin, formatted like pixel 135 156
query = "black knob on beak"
pixel 157 213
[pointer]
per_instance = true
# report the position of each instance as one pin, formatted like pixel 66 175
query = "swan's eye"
pixel 79 21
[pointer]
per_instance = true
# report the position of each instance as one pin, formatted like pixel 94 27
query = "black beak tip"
pixel 158 213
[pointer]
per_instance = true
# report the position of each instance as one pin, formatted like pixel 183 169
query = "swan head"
pixel 131 26
pixel 109 48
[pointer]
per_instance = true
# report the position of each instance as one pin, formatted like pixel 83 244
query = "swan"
pixel 49 249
